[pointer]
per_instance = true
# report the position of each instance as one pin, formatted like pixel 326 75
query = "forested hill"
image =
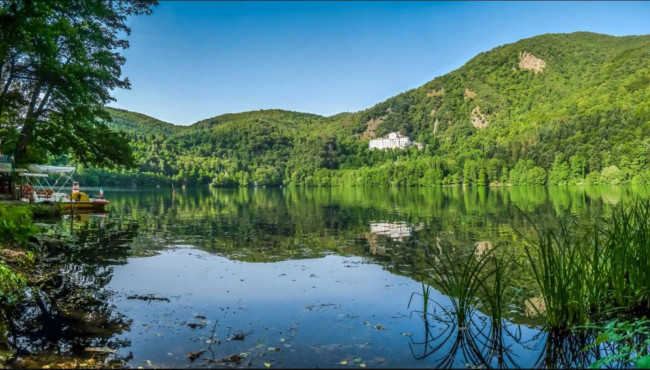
pixel 137 123
pixel 555 108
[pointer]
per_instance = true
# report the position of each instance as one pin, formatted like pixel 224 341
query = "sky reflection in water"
pixel 318 277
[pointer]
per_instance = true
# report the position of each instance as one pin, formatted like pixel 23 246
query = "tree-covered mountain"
pixel 555 108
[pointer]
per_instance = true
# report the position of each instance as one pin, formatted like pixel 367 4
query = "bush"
pixel 593 178
pixel 611 175
pixel 12 286
pixel 15 224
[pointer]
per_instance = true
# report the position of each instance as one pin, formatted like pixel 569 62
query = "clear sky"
pixel 194 60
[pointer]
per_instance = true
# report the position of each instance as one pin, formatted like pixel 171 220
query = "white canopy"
pixel 52 169
pixel 30 174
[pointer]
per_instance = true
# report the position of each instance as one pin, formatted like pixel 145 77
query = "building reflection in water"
pixel 397 231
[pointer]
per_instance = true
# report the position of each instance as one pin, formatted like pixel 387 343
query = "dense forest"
pixel 551 109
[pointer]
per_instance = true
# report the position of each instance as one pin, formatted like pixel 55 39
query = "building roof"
pixel 397 134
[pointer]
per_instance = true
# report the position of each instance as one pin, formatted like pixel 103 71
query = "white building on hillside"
pixel 394 140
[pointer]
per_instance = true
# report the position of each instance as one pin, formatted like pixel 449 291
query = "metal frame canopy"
pixel 32 183
pixel 40 171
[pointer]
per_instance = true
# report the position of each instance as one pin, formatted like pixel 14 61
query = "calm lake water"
pixel 269 277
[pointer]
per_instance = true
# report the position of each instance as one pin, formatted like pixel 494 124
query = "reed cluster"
pixel 594 278
pixel 587 277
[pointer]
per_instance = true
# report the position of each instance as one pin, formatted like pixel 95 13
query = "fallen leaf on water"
pixel 357 359
pixel 267 364
pixel 282 340
pixel 379 327
pixel 194 355
pixel 260 345
pixel 362 365
pixel 271 348
pixel 344 362
pixel 234 358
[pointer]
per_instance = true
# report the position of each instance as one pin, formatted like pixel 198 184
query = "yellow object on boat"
pixel 80 197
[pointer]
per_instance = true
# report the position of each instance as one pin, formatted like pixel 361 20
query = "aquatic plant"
pixel 479 343
pixel 460 276
pixel 425 294
pixel 496 286
pixel 628 255
pixel 590 275
pixel 565 349
pixel 557 261
pixel 623 343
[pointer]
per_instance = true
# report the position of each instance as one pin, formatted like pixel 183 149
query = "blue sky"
pixel 194 60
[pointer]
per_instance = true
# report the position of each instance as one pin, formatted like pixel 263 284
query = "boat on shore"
pixel 36 188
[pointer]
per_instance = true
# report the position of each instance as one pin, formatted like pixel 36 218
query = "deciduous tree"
pixel 59 62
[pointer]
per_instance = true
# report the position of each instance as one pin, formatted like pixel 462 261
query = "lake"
pixel 302 277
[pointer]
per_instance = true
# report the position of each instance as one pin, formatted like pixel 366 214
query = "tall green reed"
pixel 460 277
pixel 496 288
pixel 556 259
pixel 588 274
pixel 628 251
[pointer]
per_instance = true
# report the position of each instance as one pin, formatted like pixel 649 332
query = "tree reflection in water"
pixel 69 314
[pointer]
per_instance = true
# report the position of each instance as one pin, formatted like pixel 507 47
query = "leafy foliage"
pixel 12 286
pixel 59 60
pixel 630 340
pixel 15 224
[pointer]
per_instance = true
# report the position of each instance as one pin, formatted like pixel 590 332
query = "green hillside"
pixel 555 108
pixel 137 123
